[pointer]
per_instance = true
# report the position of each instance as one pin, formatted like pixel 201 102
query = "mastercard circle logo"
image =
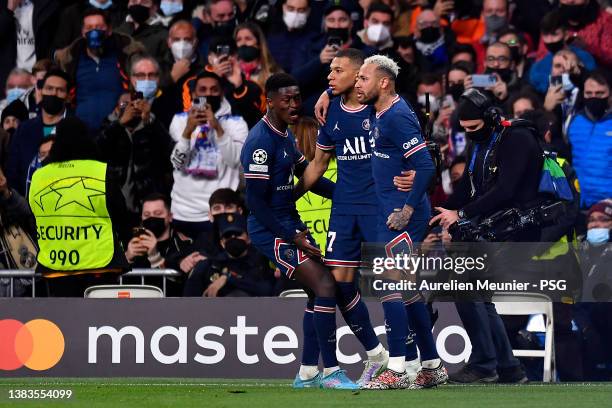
pixel 37 344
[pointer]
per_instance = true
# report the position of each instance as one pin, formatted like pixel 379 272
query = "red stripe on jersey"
pixel 324 147
pixel 275 130
pixel 393 102
pixel 351 110
pixel 415 149
pixel 256 176
pixel 337 262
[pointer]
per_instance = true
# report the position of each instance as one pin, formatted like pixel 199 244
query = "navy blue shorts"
pixel 345 236
pixel 285 255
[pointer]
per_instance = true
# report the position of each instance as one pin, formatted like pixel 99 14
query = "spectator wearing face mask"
pixel 376 32
pixel 566 81
pixel 463 53
pixel 206 157
pixel 289 33
pixel 180 63
pixel 71 17
pixel 312 66
pixel 141 25
pixel 432 42
pixel 555 38
pixel 429 83
pixel 12 116
pixel 254 57
pixel 517 43
pixel 218 18
pixel 18 83
pixel 494 18
pixel 589 137
pixel 27 28
pixel 171 11
pixel 406 83
pixel 589 27
pixel 158 245
pixel 24 143
pixel 136 147
pixel 245 97
pixel 98 63
pixel 499 63
pixel 240 270
pixel 33 96
pixel 455 86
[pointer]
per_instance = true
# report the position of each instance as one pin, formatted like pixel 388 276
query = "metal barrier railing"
pixel 13 274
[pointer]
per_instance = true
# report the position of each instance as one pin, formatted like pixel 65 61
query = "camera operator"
pixel 240 270
pixel 504 167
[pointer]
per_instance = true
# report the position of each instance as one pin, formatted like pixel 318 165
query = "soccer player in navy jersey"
pixel 354 205
pixel 398 145
pixel 270 160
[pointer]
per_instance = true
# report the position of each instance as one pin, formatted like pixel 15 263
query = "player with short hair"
pixel 270 159
pixel 398 145
pixel 354 205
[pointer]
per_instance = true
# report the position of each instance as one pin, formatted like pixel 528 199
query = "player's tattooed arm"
pixel 314 171
pixel 398 219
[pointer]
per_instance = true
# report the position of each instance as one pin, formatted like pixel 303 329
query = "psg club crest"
pixel 365 124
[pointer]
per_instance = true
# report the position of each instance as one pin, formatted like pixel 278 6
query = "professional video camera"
pixel 505 224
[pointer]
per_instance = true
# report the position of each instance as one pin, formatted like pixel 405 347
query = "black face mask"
pixel 139 13
pixel 214 101
pixel 504 73
pixel 11 131
pixel 235 247
pixel 554 47
pixel 225 29
pixel 52 104
pixel 456 91
pixel 480 135
pixel 515 54
pixel 430 35
pixel 596 106
pixel 156 225
pixel 342 33
pixel 248 53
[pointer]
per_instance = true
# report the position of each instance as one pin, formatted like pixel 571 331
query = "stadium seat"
pixel 512 303
pixel 299 293
pixel 123 291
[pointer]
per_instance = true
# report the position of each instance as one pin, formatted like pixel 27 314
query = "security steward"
pixel 77 211
pixel 504 169
pixel 239 270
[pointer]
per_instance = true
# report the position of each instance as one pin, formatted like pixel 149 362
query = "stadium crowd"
pixel 132 70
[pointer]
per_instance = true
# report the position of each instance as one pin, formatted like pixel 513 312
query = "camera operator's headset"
pixel 492 115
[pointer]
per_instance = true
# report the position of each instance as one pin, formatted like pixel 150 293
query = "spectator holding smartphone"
pixel 499 64
pixel 245 97
pixel 206 157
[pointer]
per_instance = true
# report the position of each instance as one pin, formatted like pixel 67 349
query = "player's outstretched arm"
pixel 313 172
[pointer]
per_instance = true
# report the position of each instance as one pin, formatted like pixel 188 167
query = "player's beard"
pixel 371 100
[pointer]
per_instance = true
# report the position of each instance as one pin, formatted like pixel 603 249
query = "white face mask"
pixel 378 33
pixel 434 105
pixel 181 49
pixel 294 20
pixel 568 85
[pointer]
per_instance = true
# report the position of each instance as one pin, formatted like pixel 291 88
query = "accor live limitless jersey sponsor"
pixel 271 155
pixel 398 145
pixel 346 133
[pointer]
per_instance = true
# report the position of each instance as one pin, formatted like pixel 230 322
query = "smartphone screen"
pixel 483 81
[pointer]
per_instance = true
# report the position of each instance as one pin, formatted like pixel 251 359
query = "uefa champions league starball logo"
pixel 260 156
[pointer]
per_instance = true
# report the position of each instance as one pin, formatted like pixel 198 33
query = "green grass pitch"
pixel 149 392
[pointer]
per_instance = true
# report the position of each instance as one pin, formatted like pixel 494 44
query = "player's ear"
pixel 269 103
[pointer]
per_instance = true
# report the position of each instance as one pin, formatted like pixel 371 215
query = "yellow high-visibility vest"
pixel 315 210
pixel 73 227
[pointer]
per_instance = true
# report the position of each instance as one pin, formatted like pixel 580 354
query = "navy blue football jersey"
pixel 398 145
pixel 346 133
pixel 269 154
